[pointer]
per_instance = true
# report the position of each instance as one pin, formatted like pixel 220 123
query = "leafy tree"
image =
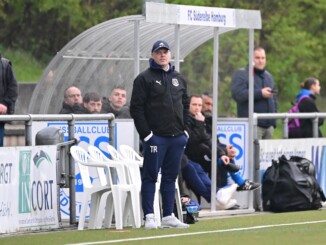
pixel 44 26
pixel 293 34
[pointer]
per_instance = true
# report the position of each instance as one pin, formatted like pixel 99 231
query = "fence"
pixel 285 119
pixel 70 119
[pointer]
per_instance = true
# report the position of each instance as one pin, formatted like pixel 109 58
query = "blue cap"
pixel 160 44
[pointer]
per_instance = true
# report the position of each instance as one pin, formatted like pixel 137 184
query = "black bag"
pixel 190 211
pixel 291 185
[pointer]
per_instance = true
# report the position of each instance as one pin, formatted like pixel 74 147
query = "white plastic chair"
pixel 115 155
pixel 97 154
pixel 125 194
pixel 134 161
pixel 132 169
pixel 82 158
pixel 129 153
pixel 132 166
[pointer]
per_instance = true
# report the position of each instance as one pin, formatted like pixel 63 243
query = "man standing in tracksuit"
pixel 159 106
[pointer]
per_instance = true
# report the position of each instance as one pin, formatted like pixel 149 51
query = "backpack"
pixel 291 185
pixel 190 211
pixel 294 123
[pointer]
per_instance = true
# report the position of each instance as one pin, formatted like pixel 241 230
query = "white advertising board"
pixel 231 132
pixel 206 16
pixel 94 133
pixel 236 134
pixel 190 15
pixel 28 188
pixel 313 149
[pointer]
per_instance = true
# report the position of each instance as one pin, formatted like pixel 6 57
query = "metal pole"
pixel 111 131
pixel 72 185
pixel 315 127
pixel 252 132
pixel 214 119
pixel 177 47
pixel 28 133
pixel 136 48
pixel 285 128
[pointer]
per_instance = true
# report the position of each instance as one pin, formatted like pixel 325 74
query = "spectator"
pixel 264 93
pixel 310 87
pixel 199 144
pixel 199 182
pixel 207 110
pixel 159 106
pixel 72 100
pixel 207 104
pixel 8 92
pixel 116 103
pixel 198 150
pixel 92 104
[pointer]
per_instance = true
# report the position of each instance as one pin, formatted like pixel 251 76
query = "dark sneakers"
pixel 248 186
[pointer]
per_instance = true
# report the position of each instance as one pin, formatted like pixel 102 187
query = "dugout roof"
pixel 112 53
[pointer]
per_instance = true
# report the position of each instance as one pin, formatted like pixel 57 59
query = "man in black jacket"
pixel 92 104
pixel 116 103
pixel 72 100
pixel 159 106
pixel 199 146
pixel 264 93
pixel 8 92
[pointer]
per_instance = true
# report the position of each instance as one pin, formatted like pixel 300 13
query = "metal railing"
pixel 71 120
pixel 314 116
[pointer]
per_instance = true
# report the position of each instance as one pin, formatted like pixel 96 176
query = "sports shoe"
pixel 229 206
pixel 172 222
pixel 150 223
pixel 224 194
pixel 248 186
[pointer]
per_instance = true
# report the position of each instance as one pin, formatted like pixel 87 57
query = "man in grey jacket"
pixel 264 93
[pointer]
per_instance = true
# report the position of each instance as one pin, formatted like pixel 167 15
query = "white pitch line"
pixel 197 233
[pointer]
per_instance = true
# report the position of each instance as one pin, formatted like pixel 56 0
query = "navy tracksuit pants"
pixel 197 179
pixel 161 154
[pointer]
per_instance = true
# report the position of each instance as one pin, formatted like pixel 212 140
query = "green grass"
pixel 218 231
pixel 25 66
